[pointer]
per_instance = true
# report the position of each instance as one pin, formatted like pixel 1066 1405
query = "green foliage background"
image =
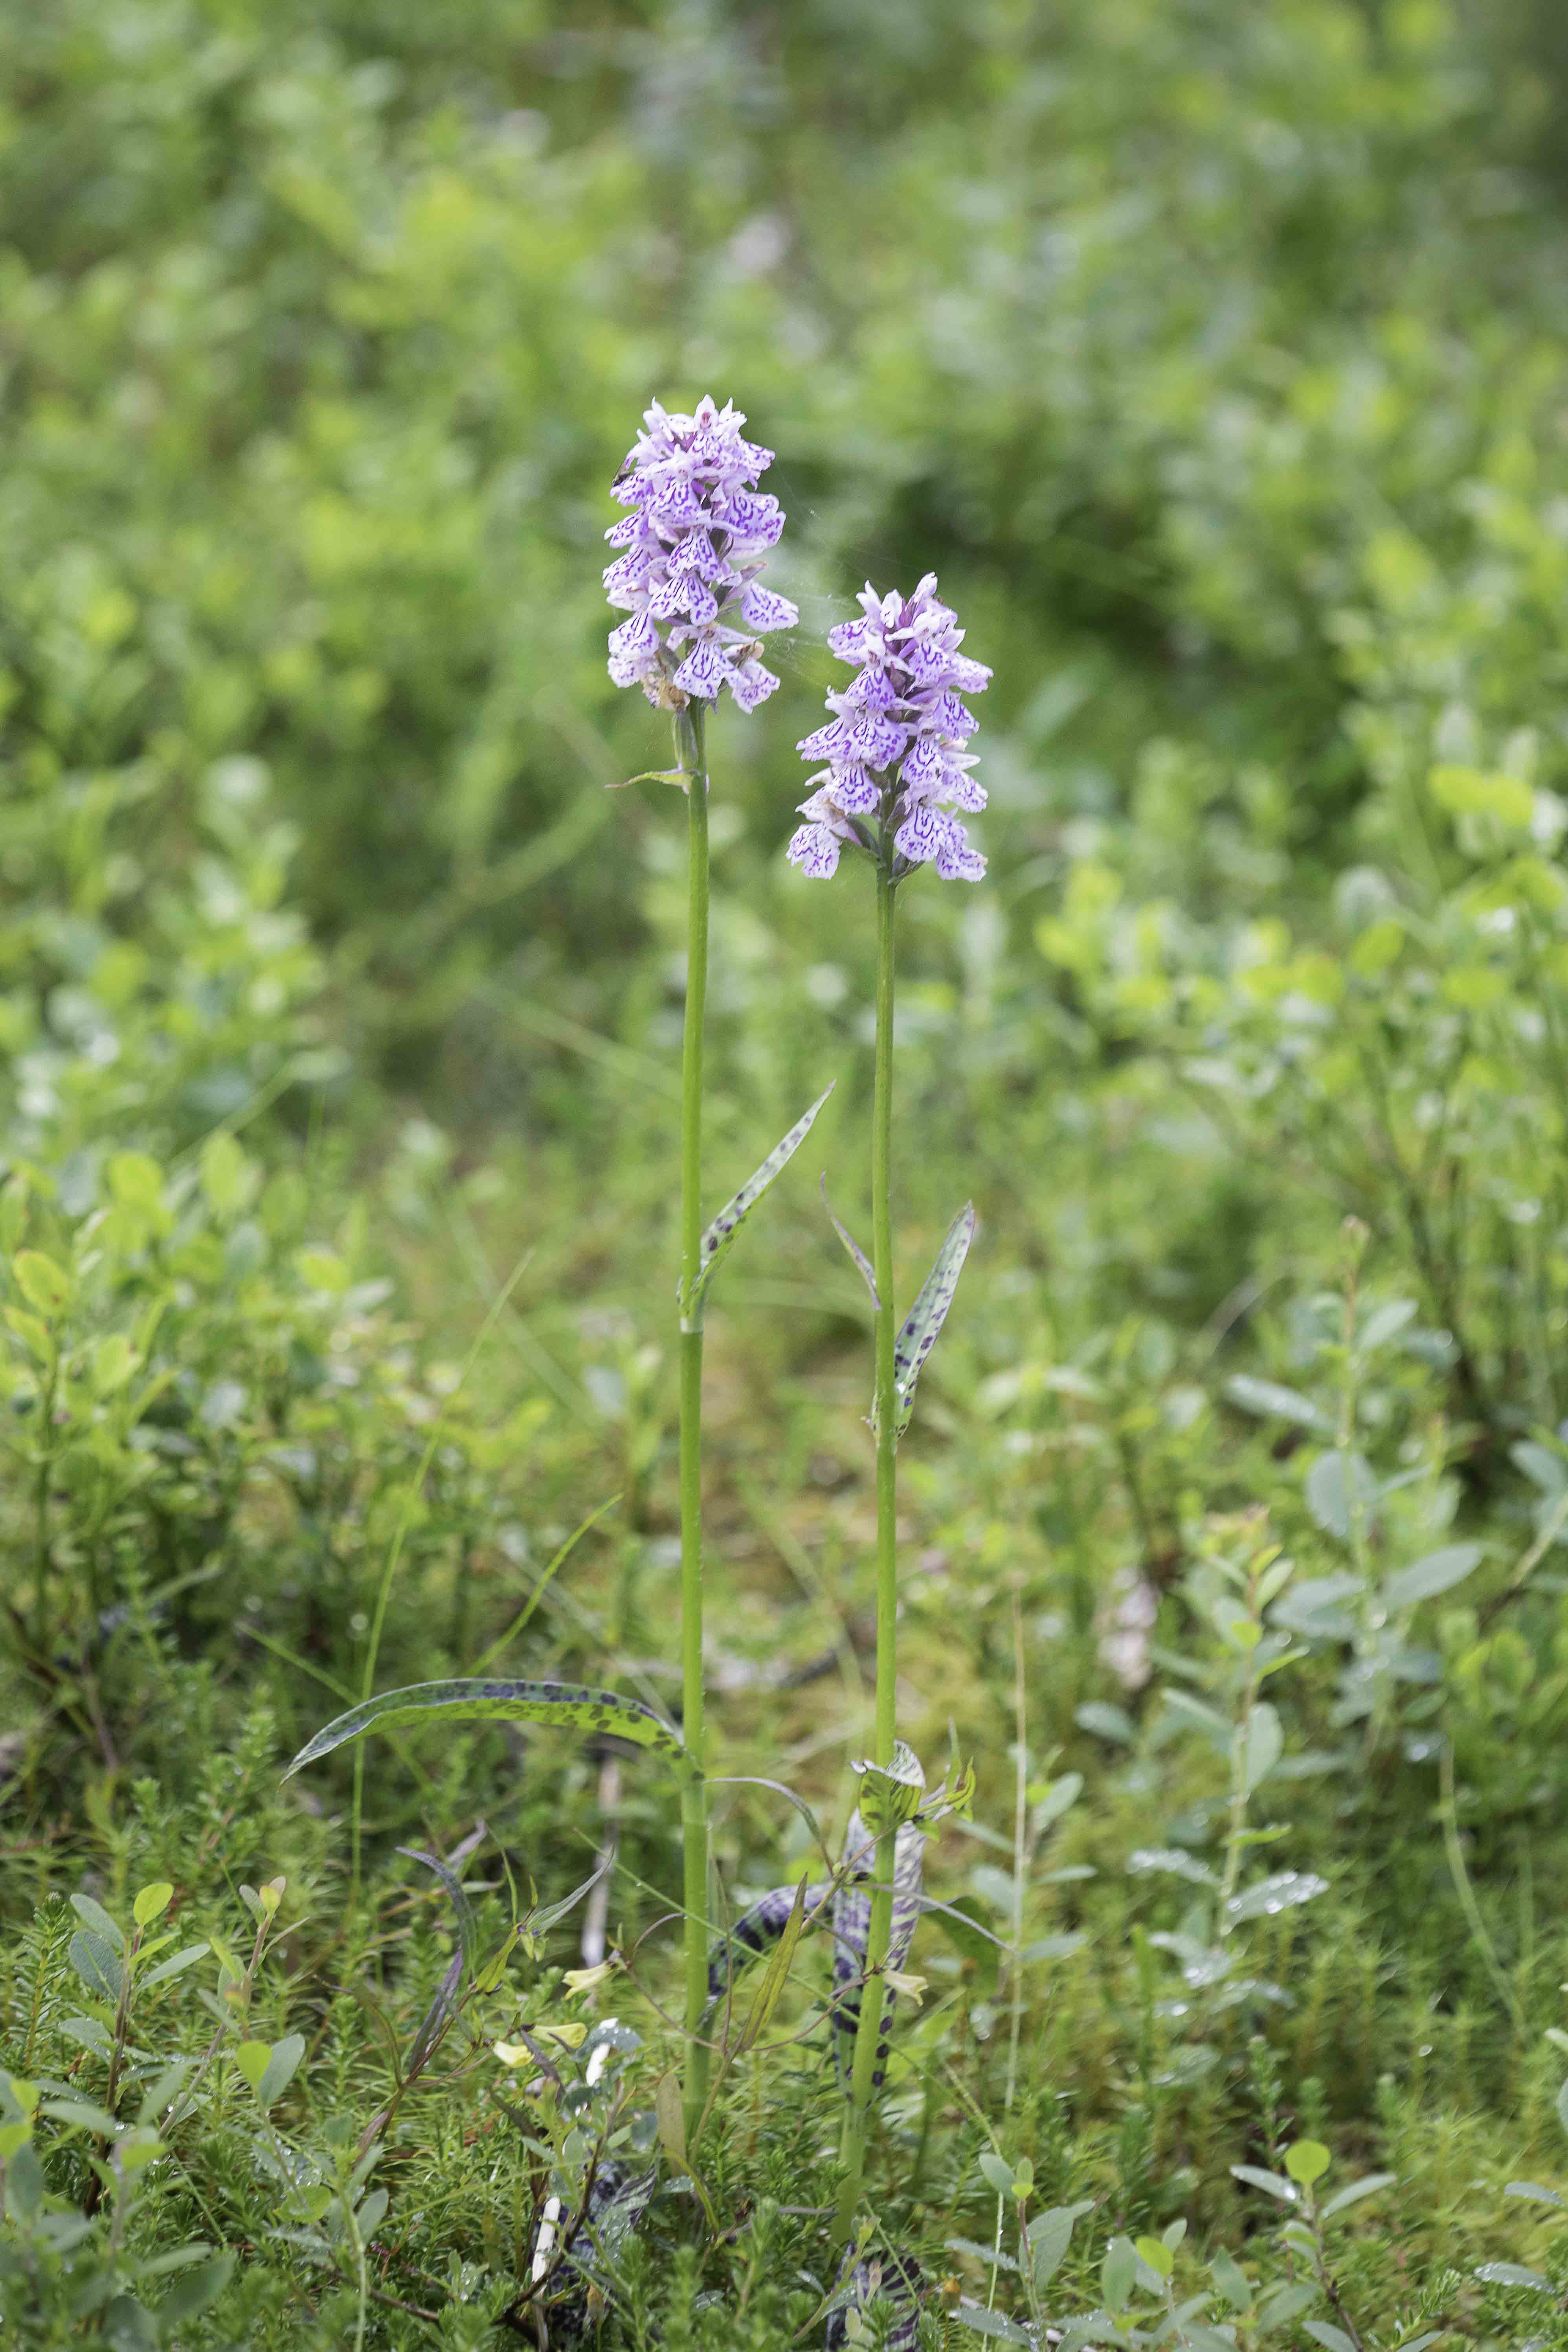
pixel 1215 358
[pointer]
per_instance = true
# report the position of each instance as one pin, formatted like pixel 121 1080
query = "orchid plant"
pixel 692 546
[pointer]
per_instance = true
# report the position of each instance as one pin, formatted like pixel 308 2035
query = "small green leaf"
pixel 1118 2272
pixel 981 2322
pixel 857 1254
pixel 889 1798
pixel 996 2170
pixel 94 1917
pixel 1511 2274
pixel 1336 1484
pixel 151 1902
pixel 1354 2190
pixel 1271 1895
pixel 85 2114
pixel 961 1922
pixel 1157 2254
pixel 100 1969
pixel 1106 1721
pixel 1272 2183
pixel 1049 2236
pixel 1333 2339
pixel 253 2058
pixel 1532 2190
pixel 1436 1573
pixel 575 1705
pixel 1231 2281
pixel 1270 1401
pixel 1306 2160
pixel 719 1239
pixel 1175 1861
pixel 193 2294
pixel 777 1976
pixel 672 2121
pixel 269 2067
pixel 922 1327
pixel 44 1285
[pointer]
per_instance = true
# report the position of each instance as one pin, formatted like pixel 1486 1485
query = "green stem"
pixel 690 753
pixel 879 1934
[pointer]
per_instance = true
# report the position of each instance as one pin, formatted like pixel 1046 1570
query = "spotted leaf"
pixel 720 1237
pixel 572 1704
pixel 918 1332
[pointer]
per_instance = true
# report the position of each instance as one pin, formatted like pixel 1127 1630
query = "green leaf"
pixel 1265 1746
pixel 1532 2190
pixel 961 1923
pixel 575 1705
pixel 1333 2339
pixel 1049 2236
pixel 369 2217
pixel 1437 1573
pixel 1306 2160
pixel 719 1239
pixel 996 2170
pixel 887 1798
pixel 1173 1861
pixel 922 1327
pixel 1354 2190
pixel 1511 2274
pixel 1270 1896
pixel 229 1180
pixel 191 2294
pixel 463 1910
pixel 1231 2281
pixel 975 2316
pixel 1106 1721
pixel 44 1285
pixel 1271 1401
pixel 174 1966
pixel 1334 1482
pixel 1285 2303
pixel 269 2067
pixel 1156 2254
pixel 857 1254
pixel 672 2121
pixel 84 2115
pixel 101 1970
pixel 151 1902
pixel 1118 2272
pixel 94 1917
pixel 1273 2184
pixel 777 1976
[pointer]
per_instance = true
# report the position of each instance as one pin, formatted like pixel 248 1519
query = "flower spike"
pixel 695 541
pixel 895 744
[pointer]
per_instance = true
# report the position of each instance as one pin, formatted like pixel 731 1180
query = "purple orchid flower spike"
pixel 695 541
pixel 897 767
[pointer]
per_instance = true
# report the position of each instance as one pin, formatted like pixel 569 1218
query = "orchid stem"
pixel 690 753
pixel 879 1934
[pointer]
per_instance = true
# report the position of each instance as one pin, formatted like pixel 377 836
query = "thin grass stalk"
pixel 690 753
pixel 879 1931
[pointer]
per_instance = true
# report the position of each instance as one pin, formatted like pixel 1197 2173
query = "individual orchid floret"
pixel 897 767
pixel 695 541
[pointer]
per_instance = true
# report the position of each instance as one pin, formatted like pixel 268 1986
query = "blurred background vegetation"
pixel 1215 356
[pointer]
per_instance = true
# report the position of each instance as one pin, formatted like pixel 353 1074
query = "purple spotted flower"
pixel 897 769
pixel 694 543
